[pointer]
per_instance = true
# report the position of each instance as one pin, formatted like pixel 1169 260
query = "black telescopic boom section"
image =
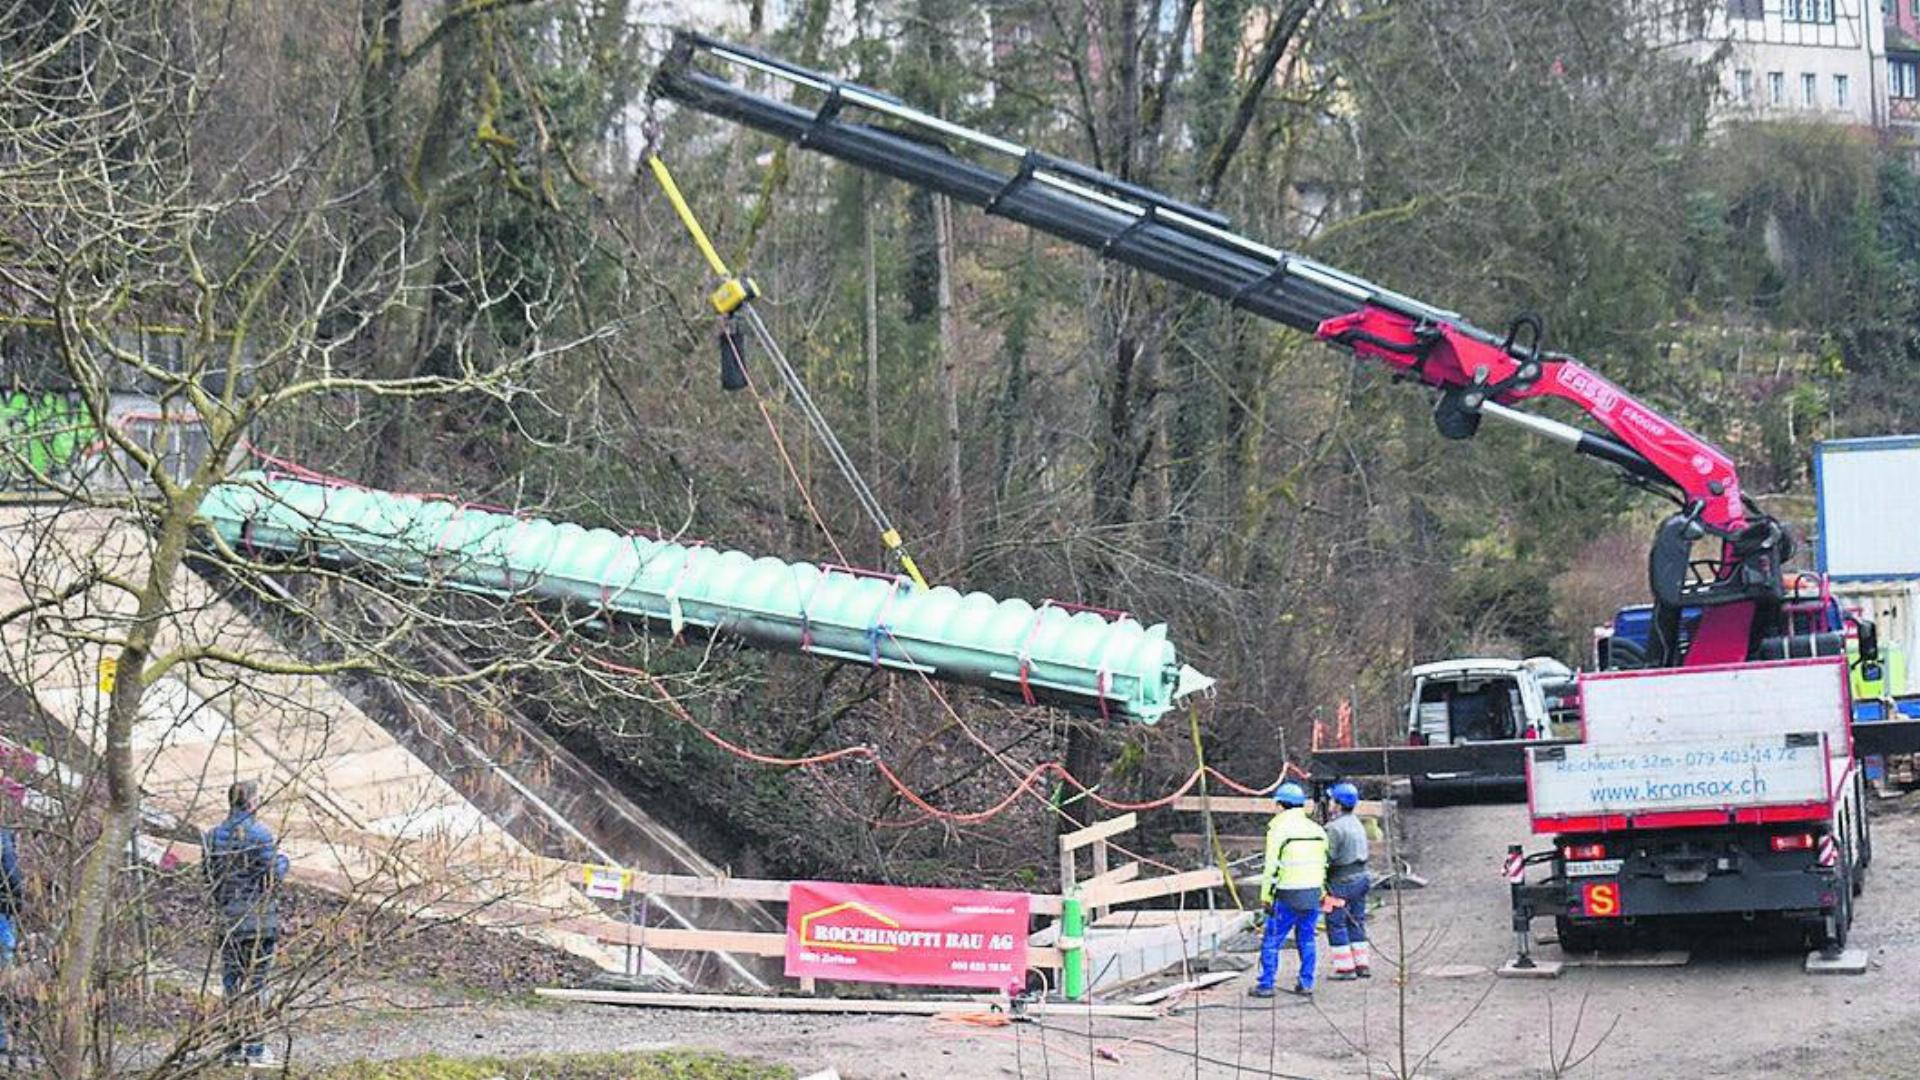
pixel 1120 220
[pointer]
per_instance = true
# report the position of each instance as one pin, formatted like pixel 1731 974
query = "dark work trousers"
pixel 244 960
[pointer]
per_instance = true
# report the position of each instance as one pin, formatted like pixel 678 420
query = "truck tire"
pixel 1866 840
pixel 1575 938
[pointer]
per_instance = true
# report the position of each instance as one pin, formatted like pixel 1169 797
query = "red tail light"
pixel 1587 851
pixel 1792 842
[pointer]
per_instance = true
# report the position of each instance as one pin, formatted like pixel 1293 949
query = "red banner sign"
pixel 923 937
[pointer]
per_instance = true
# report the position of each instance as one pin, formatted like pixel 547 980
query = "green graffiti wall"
pixel 44 437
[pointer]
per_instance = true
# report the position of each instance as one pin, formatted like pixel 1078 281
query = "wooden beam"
pixel 749 942
pixel 908 1006
pixel 1119 875
pixel 1227 804
pixel 1141 918
pixel 716 888
pixel 764 890
pixel 1079 838
pixel 1115 895
pixel 1258 804
pixel 1193 841
pixel 755 1003
pixel 1155 997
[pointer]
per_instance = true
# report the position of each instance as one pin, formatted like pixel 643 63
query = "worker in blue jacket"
pixel 244 868
pixel 13 895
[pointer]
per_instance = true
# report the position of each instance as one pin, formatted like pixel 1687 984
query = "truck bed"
pixel 1733 744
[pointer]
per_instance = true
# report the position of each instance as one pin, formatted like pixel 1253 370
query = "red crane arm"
pixel 1440 355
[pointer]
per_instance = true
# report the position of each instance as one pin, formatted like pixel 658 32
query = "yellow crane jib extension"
pixel 733 299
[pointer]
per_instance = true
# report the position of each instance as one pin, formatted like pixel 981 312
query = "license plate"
pixel 1594 868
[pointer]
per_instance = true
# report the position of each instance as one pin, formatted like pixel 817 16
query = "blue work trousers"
pixel 1347 925
pixel 1281 921
pixel 9 942
pixel 244 960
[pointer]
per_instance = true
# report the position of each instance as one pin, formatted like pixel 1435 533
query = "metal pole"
pixel 1073 957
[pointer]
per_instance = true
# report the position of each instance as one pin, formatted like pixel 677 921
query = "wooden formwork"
pixel 355 810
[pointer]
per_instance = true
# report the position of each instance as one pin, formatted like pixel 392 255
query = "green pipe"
pixel 1111 665
pixel 1073 954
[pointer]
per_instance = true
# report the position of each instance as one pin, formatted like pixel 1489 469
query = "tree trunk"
pixel 871 312
pixel 76 951
pixel 950 371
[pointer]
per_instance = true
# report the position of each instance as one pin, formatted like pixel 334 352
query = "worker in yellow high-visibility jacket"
pixel 1290 888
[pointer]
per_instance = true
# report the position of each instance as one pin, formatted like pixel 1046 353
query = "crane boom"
pixel 1477 372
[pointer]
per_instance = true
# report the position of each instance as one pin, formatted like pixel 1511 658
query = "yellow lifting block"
pixel 732 293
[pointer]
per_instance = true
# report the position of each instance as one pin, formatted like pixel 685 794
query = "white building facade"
pixel 1804 59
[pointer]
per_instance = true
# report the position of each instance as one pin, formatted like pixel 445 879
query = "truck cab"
pixel 1481 699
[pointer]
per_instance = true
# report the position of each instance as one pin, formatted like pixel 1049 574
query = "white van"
pixel 1486 700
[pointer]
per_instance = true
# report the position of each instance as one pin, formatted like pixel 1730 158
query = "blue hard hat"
pixel 1290 794
pixel 1345 794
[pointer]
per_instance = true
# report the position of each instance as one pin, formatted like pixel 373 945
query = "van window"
pixel 1478 711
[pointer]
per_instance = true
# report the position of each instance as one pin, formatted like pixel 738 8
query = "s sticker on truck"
pixel 1600 899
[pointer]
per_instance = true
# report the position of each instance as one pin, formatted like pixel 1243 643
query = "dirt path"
pixel 1727 1014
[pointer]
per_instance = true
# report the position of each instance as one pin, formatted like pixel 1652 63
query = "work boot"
pixel 1345 976
pixel 1363 973
pixel 1260 991
pixel 1303 992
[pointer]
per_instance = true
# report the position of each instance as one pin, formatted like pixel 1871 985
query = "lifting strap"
pixel 734 298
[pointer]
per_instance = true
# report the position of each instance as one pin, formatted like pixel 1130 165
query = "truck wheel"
pixel 1575 938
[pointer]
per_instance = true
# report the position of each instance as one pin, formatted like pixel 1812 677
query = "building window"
pixel 1776 88
pixel 1809 90
pixel 1743 86
pixel 1809 11
pixel 1840 88
pixel 1903 78
pixel 1746 9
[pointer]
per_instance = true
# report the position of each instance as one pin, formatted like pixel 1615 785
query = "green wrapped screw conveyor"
pixel 1051 654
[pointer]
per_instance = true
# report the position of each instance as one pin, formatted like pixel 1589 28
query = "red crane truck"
pixel 1716 683
pixel 1726 789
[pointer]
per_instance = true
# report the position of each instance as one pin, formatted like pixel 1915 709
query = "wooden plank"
pixel 764 890
pixel 896 1006
pixel 1193 841
pixel 751 942
pixel 717 888
pixel 1227 804
pixel 1155 997
pixel 1144 917
pixel 1119 875
pixel 1259 804
pixel 1080 838
pixel 755 1003
pixel 1115 895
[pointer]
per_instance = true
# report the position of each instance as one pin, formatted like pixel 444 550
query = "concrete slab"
pixel 1541 969
pixel 1662 958
pixel 1849 962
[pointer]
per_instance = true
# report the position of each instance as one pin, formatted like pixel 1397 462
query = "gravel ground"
pixel 1730 1013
